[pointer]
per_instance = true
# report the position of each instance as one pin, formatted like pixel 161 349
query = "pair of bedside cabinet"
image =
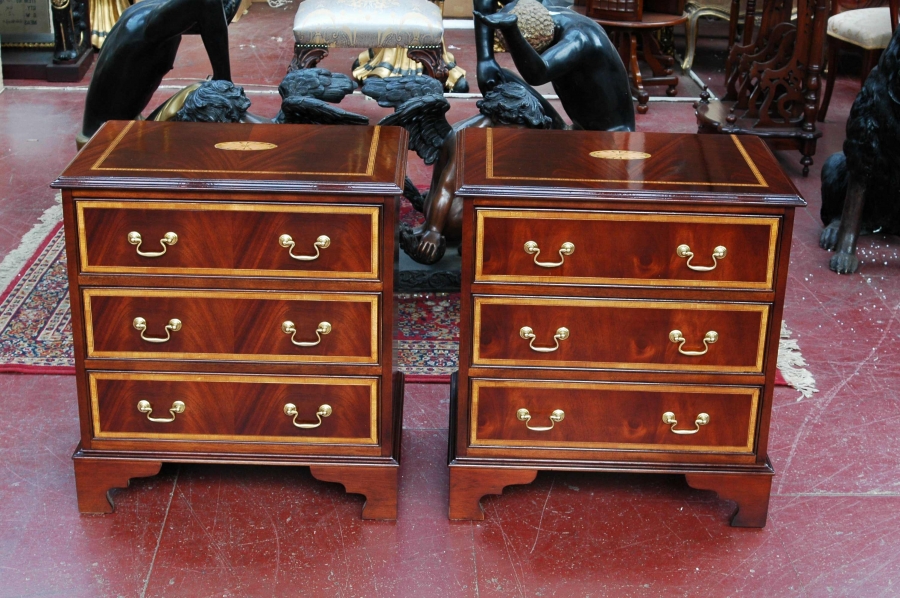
pixel 232 302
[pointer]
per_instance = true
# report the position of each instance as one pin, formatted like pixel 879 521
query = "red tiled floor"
pixel 240 531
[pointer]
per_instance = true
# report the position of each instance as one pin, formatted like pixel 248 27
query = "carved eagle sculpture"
pixel 419 107
pixel 307 95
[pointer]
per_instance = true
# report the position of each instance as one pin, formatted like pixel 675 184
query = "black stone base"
pixel 23 63
pixel 442 277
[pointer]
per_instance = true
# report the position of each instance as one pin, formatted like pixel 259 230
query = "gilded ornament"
pixel 245 146
pixel 619 155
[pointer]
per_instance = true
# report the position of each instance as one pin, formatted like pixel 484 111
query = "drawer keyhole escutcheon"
pixel 557 416
pixel 322 242
pixel 291 411
pixel 176 408
pixel 562 333
pixel 676 337
pixel 134 238
pixel 140 324
pixel 531 248
pixel 669 419
pixel 685 251
pixel 288 328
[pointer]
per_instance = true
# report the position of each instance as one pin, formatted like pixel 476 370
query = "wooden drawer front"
pixel 626 248
pixel 229 239
pixel 612 416
pixel 231 325
pixel 226 407
pixel 619 334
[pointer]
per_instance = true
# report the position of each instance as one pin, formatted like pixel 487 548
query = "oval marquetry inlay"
pixel 245 146
pixel 619 155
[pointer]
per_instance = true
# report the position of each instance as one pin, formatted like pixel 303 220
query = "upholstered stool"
pixel 866 28
pixel 416 25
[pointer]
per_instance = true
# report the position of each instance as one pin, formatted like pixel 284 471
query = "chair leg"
pixel 307 57
pixel 734 15
pixel 690 29
pixel 660 64
pixel 870 59
pixel 432 61
pixel 637 81
pixel 829 83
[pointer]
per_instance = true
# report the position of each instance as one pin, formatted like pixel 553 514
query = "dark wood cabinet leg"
pixel 469 484
pixel 749 491
pixel 94 478
pixel 377 484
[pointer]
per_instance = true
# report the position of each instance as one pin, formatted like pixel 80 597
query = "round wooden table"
pixel 624 34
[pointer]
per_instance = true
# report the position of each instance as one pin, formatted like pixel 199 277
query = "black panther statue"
pixel 861 185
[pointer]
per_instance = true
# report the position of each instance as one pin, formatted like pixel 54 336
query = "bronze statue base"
pixel 442 277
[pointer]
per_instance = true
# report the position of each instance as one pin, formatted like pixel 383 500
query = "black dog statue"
pixel 861 185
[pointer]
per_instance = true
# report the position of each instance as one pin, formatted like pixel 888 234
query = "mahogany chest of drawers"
pixel 231 292
pixel 621 306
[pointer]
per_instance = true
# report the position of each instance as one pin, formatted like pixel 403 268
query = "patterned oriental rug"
pixel 36 325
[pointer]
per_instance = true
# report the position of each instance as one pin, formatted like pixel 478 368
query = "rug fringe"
pixel 16 259
pixel 791 362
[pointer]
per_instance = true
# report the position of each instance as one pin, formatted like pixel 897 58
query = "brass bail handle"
pixel 134 238
pixel 669 419
pixel 676 337
pixel 718 253
pixel 291 411
pixel 322 242
pixel 140 324
pixel 531 248
pixel 562 333
pixel 176 408
pixel 288 327
pixel 555 417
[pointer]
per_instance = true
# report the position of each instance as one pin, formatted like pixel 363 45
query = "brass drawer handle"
pixel 669 418
pixel 557 416
pixel 322 242
pixel 562 333
pixel 290 410
pixel 531 248
pixel 141 324
pixel 168 239
pixel 676 337
pixel 685 251
pixel 176 408
pixel 288 328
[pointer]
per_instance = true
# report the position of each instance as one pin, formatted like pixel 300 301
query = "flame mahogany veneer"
pixel 621 307
pixel 211 376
